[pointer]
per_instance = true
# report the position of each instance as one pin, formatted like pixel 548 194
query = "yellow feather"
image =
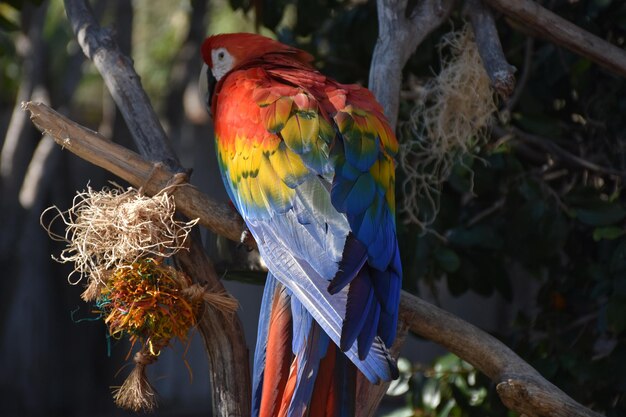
pixel 300 130
pixel 276 192
pixel 288 166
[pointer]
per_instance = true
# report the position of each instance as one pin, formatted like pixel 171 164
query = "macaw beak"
pixel 207 84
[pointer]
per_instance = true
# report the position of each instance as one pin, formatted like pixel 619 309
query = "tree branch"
pixel 500 72
pixel 123 83
pixel 558 30
pixel 223 337
pixel 556 151
pixel 398 37
pixel 520 386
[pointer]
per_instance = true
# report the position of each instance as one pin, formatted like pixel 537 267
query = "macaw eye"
pixel 220 55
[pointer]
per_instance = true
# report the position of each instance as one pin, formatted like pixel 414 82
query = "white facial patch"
pixel 222 62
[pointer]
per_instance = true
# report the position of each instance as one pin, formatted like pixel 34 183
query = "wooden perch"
pixel 554 28
pixel 134 169
pixel 521 387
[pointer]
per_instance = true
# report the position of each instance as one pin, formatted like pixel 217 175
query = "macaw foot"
pixel 246 240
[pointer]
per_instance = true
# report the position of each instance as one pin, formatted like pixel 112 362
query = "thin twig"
pixel 556 151
pixel 487 212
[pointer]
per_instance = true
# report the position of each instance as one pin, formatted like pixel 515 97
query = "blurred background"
pixel 529 242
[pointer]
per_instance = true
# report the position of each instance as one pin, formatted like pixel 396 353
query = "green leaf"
pixel 431 394
pixel 447 363
pixel 607 232
pixel 447 259
pixel 445 411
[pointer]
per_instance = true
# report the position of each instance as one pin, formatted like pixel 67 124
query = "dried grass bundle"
pixel 112 228
pixel 449 122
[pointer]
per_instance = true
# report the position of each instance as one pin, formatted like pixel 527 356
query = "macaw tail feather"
pixel 298 370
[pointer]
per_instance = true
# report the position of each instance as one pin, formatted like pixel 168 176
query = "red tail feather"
pixel 278 362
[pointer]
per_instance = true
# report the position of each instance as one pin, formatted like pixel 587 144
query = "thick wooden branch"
pixel 554 28
pixel 123 83
pixel 134 169
pixel 399 33
pixel 520 386
pixel 501 73
pixel 223 337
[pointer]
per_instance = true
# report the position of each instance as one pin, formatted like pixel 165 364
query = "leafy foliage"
pixel 450 387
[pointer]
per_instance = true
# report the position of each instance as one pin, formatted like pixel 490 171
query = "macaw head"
pixel 225 52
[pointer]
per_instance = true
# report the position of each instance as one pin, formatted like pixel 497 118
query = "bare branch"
pixel 123 84
pixel 129 166
pixel 521 387
pixel 556 151
pixel 398 37
pixel 500 72
pixel 529 49
pixel 558 30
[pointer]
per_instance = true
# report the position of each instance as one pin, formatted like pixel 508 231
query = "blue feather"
pixel 310 345
pixel 352 260
pixel 366 337
pixel 361 150
pixel 384 243
pixel 360 296
pixel 353 196
pixel 261 342
pixel 387 326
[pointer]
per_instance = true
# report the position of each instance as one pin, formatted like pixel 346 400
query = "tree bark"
pixel 398 37
pixel 123 83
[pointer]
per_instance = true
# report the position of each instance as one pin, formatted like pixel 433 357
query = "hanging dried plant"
pixel 448 123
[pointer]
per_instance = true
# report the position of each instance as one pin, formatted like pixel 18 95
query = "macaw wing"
pixel 363 189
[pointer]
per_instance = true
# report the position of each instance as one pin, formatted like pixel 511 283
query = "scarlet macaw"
pixel 308 162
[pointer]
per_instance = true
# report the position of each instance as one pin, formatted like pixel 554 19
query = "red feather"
pixel 279 361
